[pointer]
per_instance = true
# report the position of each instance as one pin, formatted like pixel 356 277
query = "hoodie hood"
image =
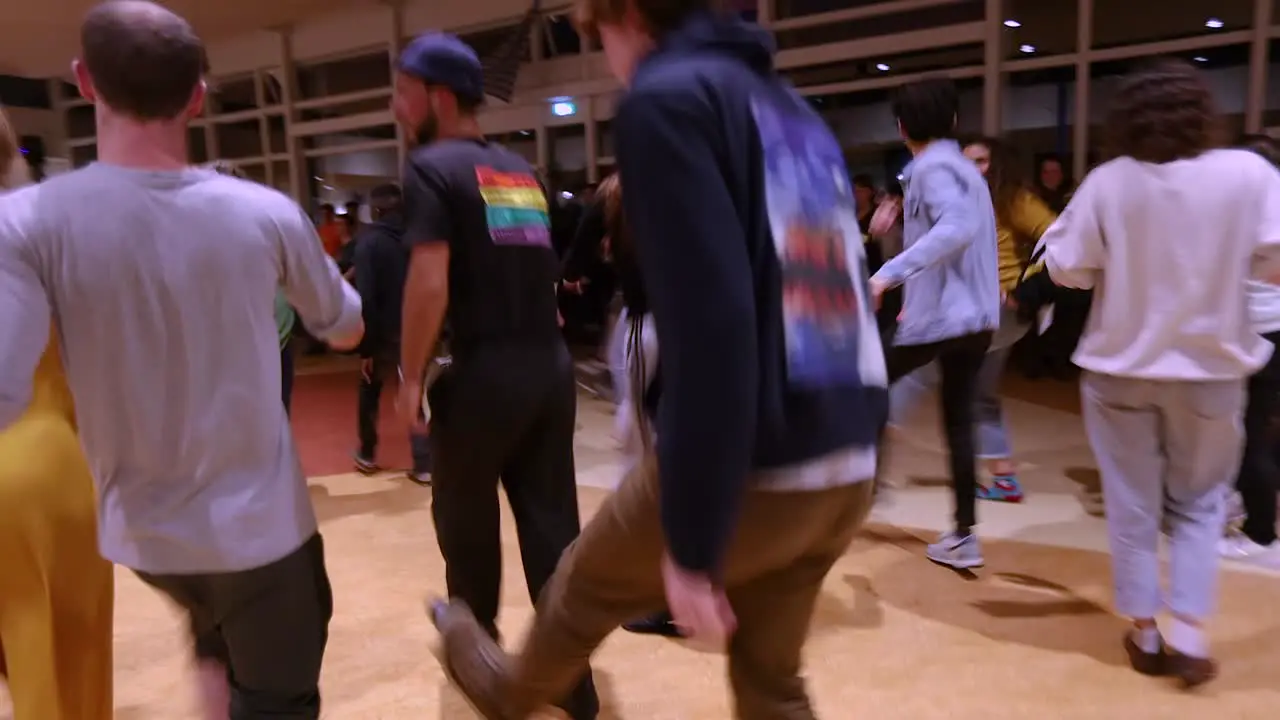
pixel 722 35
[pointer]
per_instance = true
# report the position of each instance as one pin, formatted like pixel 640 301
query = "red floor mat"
pixel 324 424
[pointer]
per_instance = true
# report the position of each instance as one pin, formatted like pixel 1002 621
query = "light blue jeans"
pixel 990 437
pixel 1165 450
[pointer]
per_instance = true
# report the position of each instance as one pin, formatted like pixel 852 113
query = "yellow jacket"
pixel 1028 218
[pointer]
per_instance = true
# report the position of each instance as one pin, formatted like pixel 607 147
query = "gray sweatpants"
pixel 1166 450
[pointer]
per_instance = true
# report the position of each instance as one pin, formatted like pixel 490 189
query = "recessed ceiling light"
pixel 1028 49
pixel 1012 24
pixel 1214 24
pixel 882 67
pixel 1200 58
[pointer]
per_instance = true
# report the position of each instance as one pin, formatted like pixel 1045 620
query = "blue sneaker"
pixel 1004 488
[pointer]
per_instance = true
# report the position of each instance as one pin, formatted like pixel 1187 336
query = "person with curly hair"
pixel 56 590
pixel 1166 234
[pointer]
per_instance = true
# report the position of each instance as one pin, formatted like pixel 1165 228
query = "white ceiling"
pixel 40 38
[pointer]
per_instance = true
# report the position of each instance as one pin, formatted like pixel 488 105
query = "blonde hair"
pixel 14 171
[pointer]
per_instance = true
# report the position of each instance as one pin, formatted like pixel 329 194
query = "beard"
pixel 427 130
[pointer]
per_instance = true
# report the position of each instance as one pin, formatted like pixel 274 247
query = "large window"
pixel 1039 28
pixel 953 13
pixel 1130 23
pixel 369 70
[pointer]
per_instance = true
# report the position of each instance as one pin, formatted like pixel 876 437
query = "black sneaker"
pixel 419 478
pixel 364 465
pixel 660 624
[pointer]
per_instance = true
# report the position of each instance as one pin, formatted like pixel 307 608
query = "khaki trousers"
pixel 785 545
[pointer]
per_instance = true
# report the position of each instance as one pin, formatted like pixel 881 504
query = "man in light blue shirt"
pixel 952 287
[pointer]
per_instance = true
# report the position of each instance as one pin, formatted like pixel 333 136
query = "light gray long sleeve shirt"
pixel 948 261
pixel 162 287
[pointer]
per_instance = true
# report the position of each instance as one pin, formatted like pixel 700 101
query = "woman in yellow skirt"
pixel 56 591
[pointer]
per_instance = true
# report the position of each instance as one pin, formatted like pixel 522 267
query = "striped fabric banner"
pixel 502 66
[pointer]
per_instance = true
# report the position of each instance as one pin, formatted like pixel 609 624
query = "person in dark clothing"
pixel 589 278
pixel 504 413
pixel 380 262
pixel 771 384
pixel 1052 350
pixel 1259 477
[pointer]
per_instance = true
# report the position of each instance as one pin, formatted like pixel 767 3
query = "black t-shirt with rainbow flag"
pixel 486 203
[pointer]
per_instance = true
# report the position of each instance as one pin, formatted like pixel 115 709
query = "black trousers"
pixel 1257 480
pixel 268 626
pixel 958 362
pixel 368 405
pixel 286 376
pixel 504 415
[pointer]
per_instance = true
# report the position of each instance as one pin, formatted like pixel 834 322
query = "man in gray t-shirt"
pixel 160 281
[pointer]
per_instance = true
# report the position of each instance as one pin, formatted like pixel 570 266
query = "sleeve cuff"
pixel 349 317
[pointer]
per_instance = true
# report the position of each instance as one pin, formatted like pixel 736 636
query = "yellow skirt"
pixel 56 591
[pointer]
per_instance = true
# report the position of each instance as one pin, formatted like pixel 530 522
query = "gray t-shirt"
pixel 162 288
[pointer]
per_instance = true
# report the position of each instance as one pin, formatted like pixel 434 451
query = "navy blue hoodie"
pixel 738 197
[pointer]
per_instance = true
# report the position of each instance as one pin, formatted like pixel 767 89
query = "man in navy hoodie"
pixel 771 380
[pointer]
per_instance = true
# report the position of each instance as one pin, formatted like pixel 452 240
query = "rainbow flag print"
pixel 515 208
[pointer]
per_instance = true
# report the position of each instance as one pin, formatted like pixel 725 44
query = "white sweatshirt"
pixel 1168 249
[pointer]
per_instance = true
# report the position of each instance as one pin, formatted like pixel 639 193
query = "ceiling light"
pixel 882 67
pixel 1214 24
pixel 1200 58
pixel 1012 24
pixel 1028 49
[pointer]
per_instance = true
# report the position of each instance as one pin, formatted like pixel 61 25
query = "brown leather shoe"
pixel 1155 664
pixel 471 658
pixel 1191 672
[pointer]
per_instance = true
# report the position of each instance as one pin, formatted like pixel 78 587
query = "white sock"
pixel 1188 639
pixel 1147 639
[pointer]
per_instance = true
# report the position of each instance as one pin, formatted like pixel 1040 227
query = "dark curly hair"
pixel 1162 112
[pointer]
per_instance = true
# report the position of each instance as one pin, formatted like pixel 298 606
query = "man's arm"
pixel 326 304
pixel 24 324
pixel 428 230
pixel 692 252
pixel 1072 246
pixel 956 227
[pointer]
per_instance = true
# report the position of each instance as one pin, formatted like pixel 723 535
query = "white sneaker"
pixel 1240 547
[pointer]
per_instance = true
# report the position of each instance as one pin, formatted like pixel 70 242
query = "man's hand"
pixel 366 369
pixel 409 403
pixel 877 289
pixel 699 608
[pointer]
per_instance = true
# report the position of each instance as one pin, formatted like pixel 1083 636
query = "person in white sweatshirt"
pixel 1167 234
pixel 1259 477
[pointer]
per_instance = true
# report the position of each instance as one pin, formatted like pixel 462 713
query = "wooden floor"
pixel 894 637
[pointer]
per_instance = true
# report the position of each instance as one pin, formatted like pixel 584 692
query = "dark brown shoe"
pixel 472 660
pixel 1191 672
pixel 1155 664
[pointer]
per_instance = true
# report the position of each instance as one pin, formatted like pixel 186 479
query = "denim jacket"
pixel 948 262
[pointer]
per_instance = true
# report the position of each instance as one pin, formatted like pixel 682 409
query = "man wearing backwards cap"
pixel 477 225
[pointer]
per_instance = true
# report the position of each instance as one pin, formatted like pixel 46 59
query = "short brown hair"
pixel 661 16
pixel 145 61
pixel 1161 113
